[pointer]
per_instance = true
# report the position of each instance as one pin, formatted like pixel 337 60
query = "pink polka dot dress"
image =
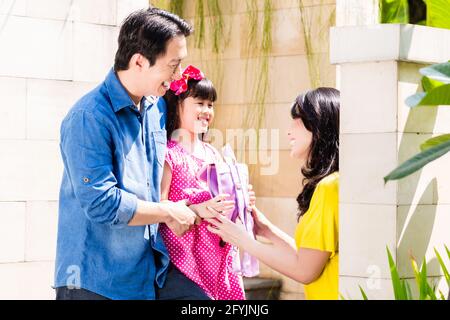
pixel 198 254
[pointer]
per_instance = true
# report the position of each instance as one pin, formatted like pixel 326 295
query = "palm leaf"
pixel 429 84
pixel 418 161
pixel 434 142
pixel 435 97
pixel 394 11
pixel 438 13
pixel 438 72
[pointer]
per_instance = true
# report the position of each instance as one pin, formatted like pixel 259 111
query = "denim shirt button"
pixel 86 180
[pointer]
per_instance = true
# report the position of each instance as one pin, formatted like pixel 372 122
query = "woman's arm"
pixel 265 228
pixel 304 265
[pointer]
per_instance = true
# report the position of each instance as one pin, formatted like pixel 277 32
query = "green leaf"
pixel 439 72
pixel 429 84
pixel 415 99
pixel 448 251
pixel 444 268
pixel 434 142
pixel 394 11
pixel 418 277
pixel 363 293
pixel 409 295
pixel 418 161
pixel 399 292
pixel 431 292
pixel 423 284
pixel 438 13
pixel 435 97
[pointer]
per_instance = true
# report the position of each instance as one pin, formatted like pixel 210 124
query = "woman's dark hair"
pixel 319 111
pixel 203 89
pixel 147 32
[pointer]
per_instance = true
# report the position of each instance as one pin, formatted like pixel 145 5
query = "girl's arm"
pixel 304 265
pixel 218 203
pixel 166 181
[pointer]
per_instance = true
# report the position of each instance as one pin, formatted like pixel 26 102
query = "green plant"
pixel 402 289
pixel 260 52
pixel 216 24
pixel 438 13
pixel 199 24
pixel 436 85
pixel 394 11
pixel 175 6
pixel 312 41
pixel 405 11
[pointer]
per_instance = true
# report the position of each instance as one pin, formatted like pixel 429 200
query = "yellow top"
pixel 319 229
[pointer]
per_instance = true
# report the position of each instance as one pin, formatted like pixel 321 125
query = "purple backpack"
pixel 231 178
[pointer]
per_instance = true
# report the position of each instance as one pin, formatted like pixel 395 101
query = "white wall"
pixel 51 53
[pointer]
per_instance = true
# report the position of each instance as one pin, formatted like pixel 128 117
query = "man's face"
pixel 157 78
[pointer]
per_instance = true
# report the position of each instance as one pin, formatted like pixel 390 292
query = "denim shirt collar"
pixel 119 95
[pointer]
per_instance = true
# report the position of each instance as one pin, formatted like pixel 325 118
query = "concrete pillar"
pixel 379 68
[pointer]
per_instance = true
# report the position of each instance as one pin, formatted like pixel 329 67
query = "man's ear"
pixel 138 60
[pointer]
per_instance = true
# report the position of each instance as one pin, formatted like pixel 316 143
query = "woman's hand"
pixel 218 204
pixel 233 233
pixel 252 195
pixel 261 223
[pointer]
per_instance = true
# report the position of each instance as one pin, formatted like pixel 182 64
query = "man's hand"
pixel 180 218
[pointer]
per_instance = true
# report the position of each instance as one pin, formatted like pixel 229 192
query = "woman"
pixel 311 257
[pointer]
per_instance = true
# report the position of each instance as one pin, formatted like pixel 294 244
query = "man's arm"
pixel 86 146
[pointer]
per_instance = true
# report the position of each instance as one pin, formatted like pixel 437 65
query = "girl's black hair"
pixel 319 111
pixel 203 89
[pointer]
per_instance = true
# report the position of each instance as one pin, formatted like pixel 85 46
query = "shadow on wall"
pixel 415 221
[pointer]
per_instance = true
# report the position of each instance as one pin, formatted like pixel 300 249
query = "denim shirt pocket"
pixel 160 142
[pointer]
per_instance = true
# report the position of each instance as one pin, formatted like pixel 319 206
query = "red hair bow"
pixel 180 86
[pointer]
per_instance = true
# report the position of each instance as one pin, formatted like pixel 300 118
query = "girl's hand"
pixel 218 204
pixel 233 233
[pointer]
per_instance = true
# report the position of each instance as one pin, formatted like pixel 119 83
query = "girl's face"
pixel 196 115
pixel 300 139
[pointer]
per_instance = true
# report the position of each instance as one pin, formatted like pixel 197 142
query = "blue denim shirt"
pixel 113 155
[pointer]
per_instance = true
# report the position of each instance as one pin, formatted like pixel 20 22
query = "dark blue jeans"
pixel 64 293
pixel 180 287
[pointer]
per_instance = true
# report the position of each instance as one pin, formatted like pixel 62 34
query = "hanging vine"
pixel 261 86
pixel 217 25
pixel 199 24
pixel 314 63
pixel 174 6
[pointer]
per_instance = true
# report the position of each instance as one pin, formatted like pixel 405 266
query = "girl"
pixel 312 257
pixel 200 259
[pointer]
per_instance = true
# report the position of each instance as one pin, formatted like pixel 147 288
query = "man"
pixel 113 144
